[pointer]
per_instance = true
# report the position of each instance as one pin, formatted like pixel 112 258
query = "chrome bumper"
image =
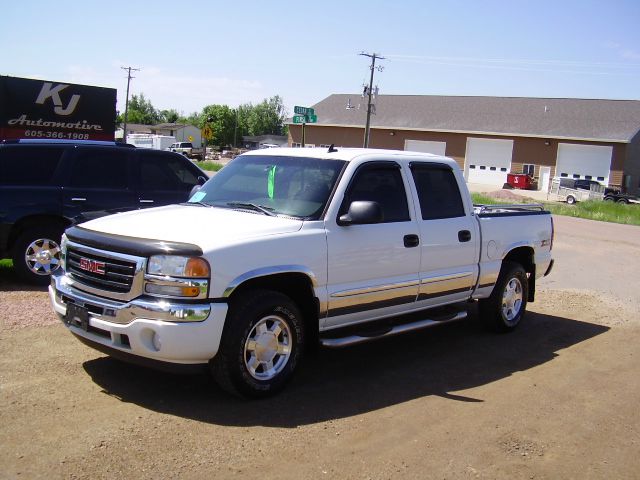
pixel 124 312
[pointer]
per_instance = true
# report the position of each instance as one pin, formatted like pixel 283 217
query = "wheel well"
pixel 524 256
pixel 42 221
pixel 296 286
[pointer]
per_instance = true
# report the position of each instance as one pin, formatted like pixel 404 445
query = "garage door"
pixel 437 148
pixel 590 162
pixel 488 161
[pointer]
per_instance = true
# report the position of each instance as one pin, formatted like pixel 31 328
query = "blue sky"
pixel 195 53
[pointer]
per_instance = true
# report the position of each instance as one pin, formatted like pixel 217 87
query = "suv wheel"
pixel 36 254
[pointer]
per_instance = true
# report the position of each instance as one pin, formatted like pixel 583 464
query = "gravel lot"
pixel 556 399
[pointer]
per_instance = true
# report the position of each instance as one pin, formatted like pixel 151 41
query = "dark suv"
pixel 47 186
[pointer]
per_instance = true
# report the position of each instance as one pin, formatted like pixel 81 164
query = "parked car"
pixel 47 186
pixel 188 150
pixel 286 246
pixel 601 192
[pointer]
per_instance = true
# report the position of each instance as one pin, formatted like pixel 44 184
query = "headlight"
pixel 178 266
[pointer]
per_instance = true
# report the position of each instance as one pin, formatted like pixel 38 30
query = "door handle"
pixel 411 241
pixel 146 201
pixel 464 235
pixel 78 199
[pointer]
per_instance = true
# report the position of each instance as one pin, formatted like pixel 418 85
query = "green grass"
pixel 210 166
pixel 591 210
pixel 5 264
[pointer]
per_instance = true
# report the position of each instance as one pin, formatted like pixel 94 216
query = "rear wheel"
pixel 571 199
pixel 504 309
pixel 36 254
pixel 261 345
pixel 623 200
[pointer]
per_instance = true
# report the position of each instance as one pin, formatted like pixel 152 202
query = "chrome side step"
pixel 405 327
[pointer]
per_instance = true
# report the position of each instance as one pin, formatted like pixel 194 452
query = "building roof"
pixel 173 126
pixel 566 118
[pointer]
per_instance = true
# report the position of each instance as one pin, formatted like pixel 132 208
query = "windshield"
pixel 279 185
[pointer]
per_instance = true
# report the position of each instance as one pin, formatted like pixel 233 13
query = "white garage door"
pixel 437 148
pixel 591 162
pixel 488 161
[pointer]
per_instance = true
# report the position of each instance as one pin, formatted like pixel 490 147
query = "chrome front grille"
pixel 104 273
pixel 114 276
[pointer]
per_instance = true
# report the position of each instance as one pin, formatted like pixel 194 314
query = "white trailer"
pixel 146 140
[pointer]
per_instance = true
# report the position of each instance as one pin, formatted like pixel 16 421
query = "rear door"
pixel 163 178
pixel 449 238
pixel 98 183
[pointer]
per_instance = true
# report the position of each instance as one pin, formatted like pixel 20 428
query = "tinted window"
pixel 31 165
pixel 165 172
pixel 438 192
pixel 99 168
pixel 382 184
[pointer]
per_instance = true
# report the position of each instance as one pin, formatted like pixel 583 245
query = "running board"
pixel 396 330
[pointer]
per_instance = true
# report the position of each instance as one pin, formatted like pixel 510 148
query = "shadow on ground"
pixel 9 281
pixel 334 384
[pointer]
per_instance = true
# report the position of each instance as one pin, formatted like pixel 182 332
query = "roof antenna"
pixel 332 148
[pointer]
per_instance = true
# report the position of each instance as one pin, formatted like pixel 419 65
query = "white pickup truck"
pixel 289 246
pixel 188 150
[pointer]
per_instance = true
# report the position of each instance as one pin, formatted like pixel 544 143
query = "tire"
pixel 261 346
pixel 623 200
pixel 571 199
pixel 504 309
pixel 36 254
pixel 609 199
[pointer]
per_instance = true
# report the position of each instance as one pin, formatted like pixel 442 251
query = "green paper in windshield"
pixel 271 181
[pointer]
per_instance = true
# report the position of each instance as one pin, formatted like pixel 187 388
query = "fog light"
pixel 155 339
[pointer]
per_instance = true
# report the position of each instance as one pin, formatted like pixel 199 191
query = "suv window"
pixel 100 168
pixel 380 183
pixel 165 172
pixel 33 165
pixel 438 192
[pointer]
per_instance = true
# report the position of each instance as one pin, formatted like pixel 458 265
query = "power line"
pixel 373 56
pixel 126 104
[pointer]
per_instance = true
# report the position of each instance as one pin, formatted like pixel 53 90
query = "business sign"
pixel 55 110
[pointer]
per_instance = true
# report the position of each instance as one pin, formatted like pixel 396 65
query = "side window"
pixel 164 172
pixel 438 192
pixel 33 165
pixel 380 183
pixel 100 168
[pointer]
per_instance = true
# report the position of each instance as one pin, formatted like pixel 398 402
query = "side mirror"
pixel 362 213
pixel 202 180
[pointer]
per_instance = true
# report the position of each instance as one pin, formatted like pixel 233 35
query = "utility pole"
pixel 126 104
pixel 373 56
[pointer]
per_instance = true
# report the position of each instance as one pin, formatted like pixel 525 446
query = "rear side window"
pixel 165 172
pixel 100 168
pixel 32 165
pixel 438 192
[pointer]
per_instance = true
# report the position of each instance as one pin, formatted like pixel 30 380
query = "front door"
pixel 373 269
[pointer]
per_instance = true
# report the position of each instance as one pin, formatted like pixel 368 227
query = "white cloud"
pixel 185 92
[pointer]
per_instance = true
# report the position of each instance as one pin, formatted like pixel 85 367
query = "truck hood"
pixel 206 227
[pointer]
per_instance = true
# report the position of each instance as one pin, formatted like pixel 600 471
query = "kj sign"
pixel 55 110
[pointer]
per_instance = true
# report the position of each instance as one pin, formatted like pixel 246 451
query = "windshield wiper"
pixel 204 204
pixel 253 206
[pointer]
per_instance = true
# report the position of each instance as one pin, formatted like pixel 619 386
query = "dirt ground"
pixel 558 398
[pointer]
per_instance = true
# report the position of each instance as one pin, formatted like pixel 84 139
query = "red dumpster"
pixel 520 180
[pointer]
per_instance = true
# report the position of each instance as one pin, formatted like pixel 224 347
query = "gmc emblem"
pixel 92 266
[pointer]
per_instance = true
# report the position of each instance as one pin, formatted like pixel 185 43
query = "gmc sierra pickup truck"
pixel 284 247
pixel 188 150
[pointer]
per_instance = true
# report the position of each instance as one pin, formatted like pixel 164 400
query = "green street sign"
pixel 303 110
pixel 299 119
pixel 311 118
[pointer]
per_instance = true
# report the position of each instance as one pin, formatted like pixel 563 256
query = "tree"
pixel 222 121
pixel 267 118
pixel 169 116
pixel 140 111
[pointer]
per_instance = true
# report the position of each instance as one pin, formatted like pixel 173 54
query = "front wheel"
pixel 571 199
pixel 504 309
pixel 261 345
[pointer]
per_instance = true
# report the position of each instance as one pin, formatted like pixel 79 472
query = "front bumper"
pixel 159 330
